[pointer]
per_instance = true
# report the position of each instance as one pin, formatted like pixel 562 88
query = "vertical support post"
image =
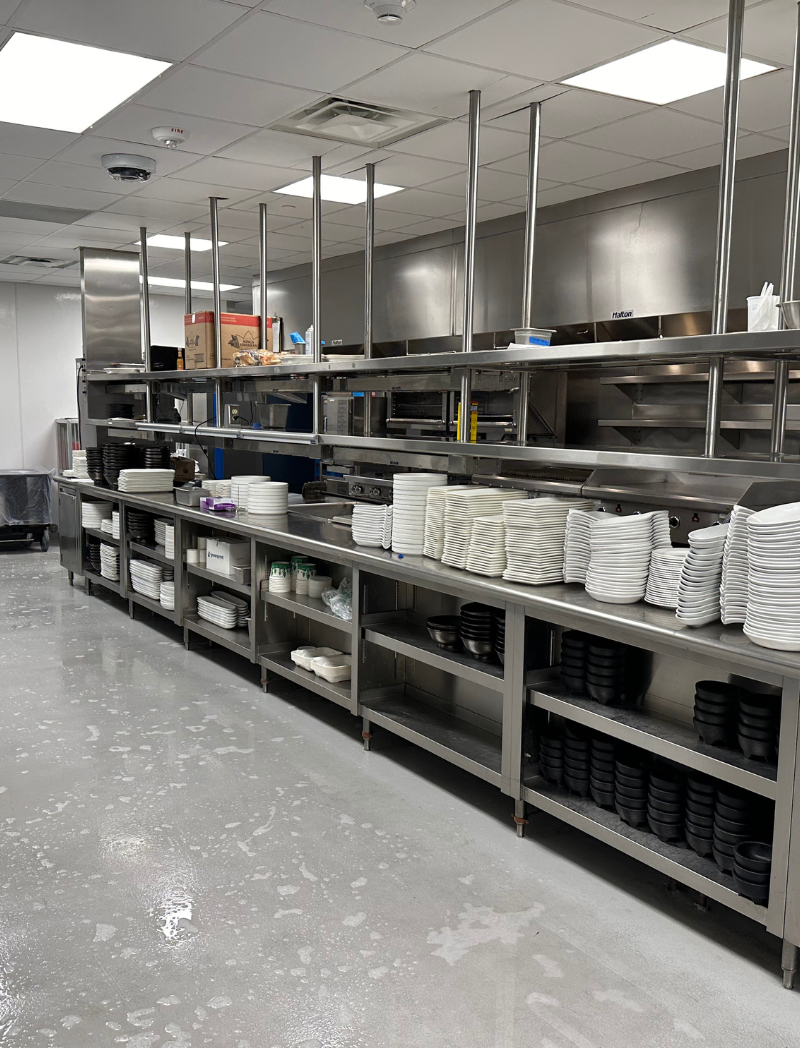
pixel 187 272
pixel 719 318
pixel 262 271
pixel 144 301
pixel 369 268
pixel 214 216
pixel 523 378
pixel 316 266
pixel 469 259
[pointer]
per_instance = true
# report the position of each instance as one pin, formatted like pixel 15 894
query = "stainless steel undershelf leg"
pixel 780 395
pixel 465 415
pixel 519 817
pixel 366 734
pixel 523 399
pixel 513 705
pixel 789 955
pixel 715 376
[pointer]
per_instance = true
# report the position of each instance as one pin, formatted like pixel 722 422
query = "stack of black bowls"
pixel 699 824
pixel 117 457
pixel 752 863
pixel 140 526
pixel 93 553
pixel 665 804
pixel 758 725
pixel 156 457
pixel 630 788
pixel 735 817
pixel 716 705
pixel 94 464
pixel 573 661
pixel 602 771
pixel 477 631
pixel 551 755
pixel 606 671
pixel 576 759
pixel 500 634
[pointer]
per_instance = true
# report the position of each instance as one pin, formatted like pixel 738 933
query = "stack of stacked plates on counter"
pixel 94 464
pixel 372 526
pixel 434 519
pixel 460 510
pixel 167 595
pixel 240 486
pixel 535 530
pixel 664 577
pixel 220 612
pixel 146 578
pixel 132 480
pixel 239 604
pixel 169 542
pixel 267 498
pixel 487 547
pixel 115 524
pixel 117 457
pixel 94 513
pixel 156 457
pixel 220 489
pixel 160 530
pixel 576 544
pixel 80 465
pixel 620 547
pixel 773 601
pixel 733 586
pixel 408 518
pixel 109 561
pixel 698 591
pixel 107 526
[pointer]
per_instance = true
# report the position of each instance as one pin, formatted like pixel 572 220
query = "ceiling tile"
pixel 134 123
pixel 487 212
pixel 654 135
pixel 671 15
pixel 223 96
pixel 89 149
pixel 427 22
pixel 188 192
pixel 121 223
pixel 632 176
pixel 514 114
pixel 338 232
pixel 575 111
pixel 7 9
pixel 748 145
pixel 568 162
pixel 764 102
pixel 429 84
pixel 16 167
pixel 385 221
pixel 26 227
pixel 423 203
pixel 433 225
pixel 492 185
pixel 243 224
pixel 404 170
pixel 76 176
pixel 781 133
pixel 333 250
pixel 281 149
pixel 238 173
pixel 6 183
pixel 171 31
pixel 298 208
pixel 560 194
pixel 382 239
pixel 99 234
pixel 147 211
pixel 21 140
pixel 769 32
pixel 302 54
pixel 12 240
pixel 449 142
pixel 519 38
pixel 59 196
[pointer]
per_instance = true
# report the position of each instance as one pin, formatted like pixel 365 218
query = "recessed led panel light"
pixel 64 86
pixel 197 285
pixel 664 73
pixel 338 190
pixel 177 243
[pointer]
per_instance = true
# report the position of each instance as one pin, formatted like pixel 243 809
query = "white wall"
pixel 40 340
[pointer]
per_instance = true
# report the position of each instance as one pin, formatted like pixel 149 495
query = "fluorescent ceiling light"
pixel 664 73
pixel 197 285
pixel 177 243
pixel 67 87
pixel 338 190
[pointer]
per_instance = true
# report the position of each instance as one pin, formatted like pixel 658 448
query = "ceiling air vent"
pixel 40 263
pixel 356 122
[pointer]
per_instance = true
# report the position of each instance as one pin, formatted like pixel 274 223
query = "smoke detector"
pixel 390 12
pixel 128 167
pixel 171 137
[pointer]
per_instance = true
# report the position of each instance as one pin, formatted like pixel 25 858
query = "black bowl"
pixel 754 856
pixel 699 845
pixel 703 833
pixel 443 622
pixel 604 745
pixel 715 720
pixel 703 822
pixel 733 814
pixel 602 798
pixel 756 734
pixel 605 696
pixel 753 748
pixel 731 839
pixel 602 778
pixel 602 764
pixel 700 805
pixel 725 862
pixel 735 799
pixel 636 782
pixel 666 808
pixel 606 665
pixel 665 831
pixel 761 879
pixel 579 769
pixel 668 818
pixel 731 825
pixel 699 785
pixel 755 892
pixel 631 766
pixel 718 691
pixel 579 786
pixel 712 734
pixel 632 816
pixel 573 666
pixel 760 705
pixel 635 798
pixel 666 796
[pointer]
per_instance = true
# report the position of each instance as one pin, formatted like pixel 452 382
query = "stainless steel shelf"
pixel 280 662
pixel 455 740
pixel 309 607
pixel 237 640
pixel 150 604
pixel 673 860
pixel 792 425
pixel 96 533
pixel 220 579
pixel 115 587
pixel 153 552
pixel 665 738
pixel 410 639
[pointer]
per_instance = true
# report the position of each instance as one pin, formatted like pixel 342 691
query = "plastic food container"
pixel 533 336
pixel 333 668
pixel 306 654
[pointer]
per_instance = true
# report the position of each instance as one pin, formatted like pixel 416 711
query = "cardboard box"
pixel 222 555
pixel 240 331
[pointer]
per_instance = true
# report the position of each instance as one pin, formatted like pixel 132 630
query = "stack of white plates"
pixel 620 548
pixel 94 513
pixel 79 465
pixel 107 526
pixel 220 489
pixel 664 577
pixel 487 547
pixel 167 596
pixel 115 524
pixel 733 587
pixel 535 530
pixel 460 510
pixel 241 485
pixel 160 528
pixel 698 591
pixel 773 602
pixel 434 519
pixel 132 480
pixel 109 561
pixel 239 605
pixel 169 541
pixel 269 497
pixel 146 578
pixel 220 612
pixel 576 544
pixel 372 525
pixel 408 518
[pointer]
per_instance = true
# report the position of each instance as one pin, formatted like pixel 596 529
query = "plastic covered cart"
pixel 25 506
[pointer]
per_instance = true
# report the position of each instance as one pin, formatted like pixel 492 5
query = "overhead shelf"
pixel 104 536
pixel 309 607
pixel 219 579
pixel 153 552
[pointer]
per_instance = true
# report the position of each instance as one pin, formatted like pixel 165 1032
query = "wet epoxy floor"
pixel 186 861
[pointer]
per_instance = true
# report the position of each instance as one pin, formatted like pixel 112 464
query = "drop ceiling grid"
pixel 287 53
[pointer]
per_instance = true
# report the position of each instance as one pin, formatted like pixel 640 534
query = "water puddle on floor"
pixel 174 916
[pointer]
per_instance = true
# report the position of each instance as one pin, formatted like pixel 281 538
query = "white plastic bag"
pixel 763 312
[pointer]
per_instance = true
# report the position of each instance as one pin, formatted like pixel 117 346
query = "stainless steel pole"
pixel 780 389
pixel 262 271
pixel 144 301
pixel 727 172
pixel 187 272
pixel 369 265
pixel 316 264
pixel 214 215
pixel 469 259
pixel 523 377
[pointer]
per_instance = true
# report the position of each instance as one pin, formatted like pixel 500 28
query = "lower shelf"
pixel 115 587
pixel 673 860
pixel 455 740
pixel 237 640
pixel 150 604
pixel 280 662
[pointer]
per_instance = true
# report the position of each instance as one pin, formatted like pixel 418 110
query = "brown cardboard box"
pixel 240 331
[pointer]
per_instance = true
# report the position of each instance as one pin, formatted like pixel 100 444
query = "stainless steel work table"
pixel 460 737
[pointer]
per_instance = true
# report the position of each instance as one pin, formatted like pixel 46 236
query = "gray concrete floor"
pixel 186 861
